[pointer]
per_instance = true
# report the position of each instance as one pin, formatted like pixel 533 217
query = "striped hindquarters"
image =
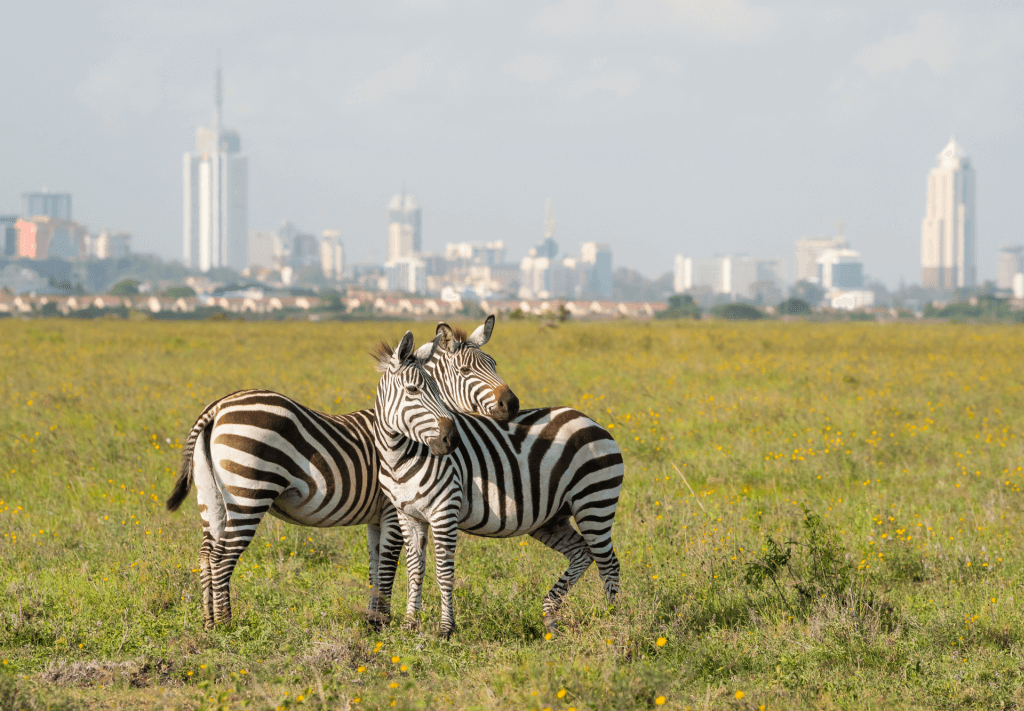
pixel 309 468
pixel 545 464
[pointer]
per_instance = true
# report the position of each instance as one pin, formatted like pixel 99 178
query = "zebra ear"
pixel 404 349
pixel 446 337
pixel 482 334
pixel 426 352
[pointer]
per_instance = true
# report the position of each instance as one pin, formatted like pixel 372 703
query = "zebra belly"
pixel 289 507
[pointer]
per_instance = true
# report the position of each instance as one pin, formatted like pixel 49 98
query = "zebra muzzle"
pixel 447 439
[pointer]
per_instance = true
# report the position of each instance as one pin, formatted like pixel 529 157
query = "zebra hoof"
pixel 447 634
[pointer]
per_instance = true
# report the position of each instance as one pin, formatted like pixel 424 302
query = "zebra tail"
pixel 183 484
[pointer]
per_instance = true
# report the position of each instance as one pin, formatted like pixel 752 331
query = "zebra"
pixel 528 475
pixel 257 451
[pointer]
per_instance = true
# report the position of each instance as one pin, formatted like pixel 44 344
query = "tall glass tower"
pixel 216 192
pixel 947 231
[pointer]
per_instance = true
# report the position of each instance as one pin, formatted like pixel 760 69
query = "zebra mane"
pixel 382 354
pixel 460 335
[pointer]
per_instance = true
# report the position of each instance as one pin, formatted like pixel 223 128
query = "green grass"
pixel 884 463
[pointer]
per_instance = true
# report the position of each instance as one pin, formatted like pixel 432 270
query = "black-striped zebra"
pixel 525 476
pixel 256 451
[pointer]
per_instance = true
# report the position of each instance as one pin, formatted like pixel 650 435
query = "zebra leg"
pixel 596 527
pixel 445 536
pixel 238 533
pixel 560 536
pixel 414 532
pixel 373 549
pixel 391 542
pixel 213 515
pixel 206 579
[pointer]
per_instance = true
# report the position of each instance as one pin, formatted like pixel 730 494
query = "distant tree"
pixel 126 287
pixel 805 290
pixel 631 285
pixel 737 312
pixel 680 306
pixel 180 292
pixel 794 307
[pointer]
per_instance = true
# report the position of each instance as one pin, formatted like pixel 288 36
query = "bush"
pixel 680 306
pixel 179 292
pixel 126 287
pixel 737 312
pixel 794 307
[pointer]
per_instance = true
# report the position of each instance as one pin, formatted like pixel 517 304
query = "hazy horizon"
pixel 661 127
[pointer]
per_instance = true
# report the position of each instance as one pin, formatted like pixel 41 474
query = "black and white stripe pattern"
pixel 526 476
pixel 256 451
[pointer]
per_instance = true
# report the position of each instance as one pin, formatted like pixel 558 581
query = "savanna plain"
pixel 814 516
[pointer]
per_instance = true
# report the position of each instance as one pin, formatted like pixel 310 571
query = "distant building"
pixel 596 261
pixel 45 204
pixel 216 198
pixel 407 274
pixel 1011 263
pixel 109 245
pixel 42 237
pixel 332 255
pixel 807 252
pixel 489 254
pixel 840 269
pixel 264 250
pixel 757 279
pixel 714 275
pixel 8 236
pixel 947 231
pixel 404 238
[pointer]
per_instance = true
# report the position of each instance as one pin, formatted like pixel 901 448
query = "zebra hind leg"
pixel 206 579
pixel 596 527
pixel 560 536
pixel 373 616
pixel 237 535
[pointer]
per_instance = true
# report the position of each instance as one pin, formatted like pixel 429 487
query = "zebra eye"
pixel 465 370
pixel 412 389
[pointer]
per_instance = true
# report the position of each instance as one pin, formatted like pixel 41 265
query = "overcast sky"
pixel 699 127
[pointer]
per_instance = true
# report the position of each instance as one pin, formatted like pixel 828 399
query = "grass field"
pixel 813 516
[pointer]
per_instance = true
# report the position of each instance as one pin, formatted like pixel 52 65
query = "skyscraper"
pixel 947 231
pixel 57 205
pixel 216 206
pixel 807 252
pixel 404 239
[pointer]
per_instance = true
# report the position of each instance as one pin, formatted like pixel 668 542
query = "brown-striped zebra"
pixel 255 452
pixel 525 476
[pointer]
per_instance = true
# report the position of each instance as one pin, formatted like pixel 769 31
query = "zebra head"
pixel 468 377
pixel 408 400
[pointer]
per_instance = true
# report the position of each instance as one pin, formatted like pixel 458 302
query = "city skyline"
pixel 655 131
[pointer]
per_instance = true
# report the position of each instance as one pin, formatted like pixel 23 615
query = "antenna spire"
pixel 218 103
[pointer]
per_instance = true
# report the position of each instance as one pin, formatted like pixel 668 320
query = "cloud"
pixel 404 75
pixel 719 21
pixel 118 86
pixel 534 68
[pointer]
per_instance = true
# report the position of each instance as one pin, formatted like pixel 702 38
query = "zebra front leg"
pixel 414 532
pixel 445 537
pixel 560 536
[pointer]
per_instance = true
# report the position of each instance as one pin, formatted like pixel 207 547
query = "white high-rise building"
pixel 404 239
pixel 332 255
pixel 216 205
pixel 947 231
pixel 807 252
pixel 713 275
pixel 1011 263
